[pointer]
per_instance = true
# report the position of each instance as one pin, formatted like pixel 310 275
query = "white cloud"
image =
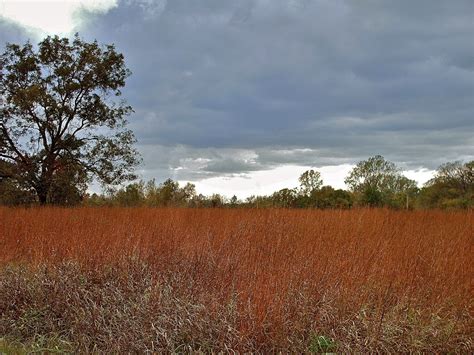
pixel 421 176
pixel 51 16
pixel 262 182
pixel 265 182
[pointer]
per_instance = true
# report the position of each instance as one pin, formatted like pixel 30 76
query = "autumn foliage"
pixel 144 279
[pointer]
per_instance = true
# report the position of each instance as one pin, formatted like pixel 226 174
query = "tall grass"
pixel 116 279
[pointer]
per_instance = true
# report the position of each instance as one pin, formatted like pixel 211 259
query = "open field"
pixel 158 280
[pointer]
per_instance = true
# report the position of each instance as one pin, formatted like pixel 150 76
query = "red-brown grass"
pixel 240 279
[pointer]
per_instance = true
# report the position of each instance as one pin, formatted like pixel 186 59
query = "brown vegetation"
pixel 116 279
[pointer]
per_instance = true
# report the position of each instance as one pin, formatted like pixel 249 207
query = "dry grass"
pixel 177 280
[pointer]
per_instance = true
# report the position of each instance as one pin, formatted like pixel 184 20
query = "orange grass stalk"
pixel 283 270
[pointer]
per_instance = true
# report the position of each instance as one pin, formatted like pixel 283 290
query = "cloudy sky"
pixel 242 96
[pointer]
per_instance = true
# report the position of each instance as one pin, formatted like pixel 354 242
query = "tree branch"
pixel 12 144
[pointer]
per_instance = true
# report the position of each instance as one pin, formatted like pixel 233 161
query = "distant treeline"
pixel 374 182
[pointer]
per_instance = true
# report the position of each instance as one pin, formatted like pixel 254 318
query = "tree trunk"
pixel 45 179
pixel 42 197
pixel 42 192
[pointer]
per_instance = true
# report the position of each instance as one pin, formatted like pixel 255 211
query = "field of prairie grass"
pixel 258 280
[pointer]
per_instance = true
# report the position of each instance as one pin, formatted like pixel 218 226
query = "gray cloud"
pixel 12 32
pixel 228 87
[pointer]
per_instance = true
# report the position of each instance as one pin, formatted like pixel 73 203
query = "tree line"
pixel 374 182
pixel 62 126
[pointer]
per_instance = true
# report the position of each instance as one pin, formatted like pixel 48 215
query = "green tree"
pixel 373 197
pixel 58 113
pixel 165 194
pixel 259 201
pixel 234 201
pixel 13 192
pixel 310 181
pixel 169 193
pixel 404 193
pixel 328 197
pixel 132 195
pixel 456 175
pixel 451 187
pixel 96 200
pixel 284 198
pixel 376 181
pixel 215 200
pixel 186 194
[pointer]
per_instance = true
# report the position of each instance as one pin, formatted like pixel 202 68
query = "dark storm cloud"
pixel 227 87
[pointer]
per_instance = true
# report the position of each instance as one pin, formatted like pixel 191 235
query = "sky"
pixel 241 97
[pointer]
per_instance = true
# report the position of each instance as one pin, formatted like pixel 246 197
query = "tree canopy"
pixel 310 181
pixel 377 181
pixel 61 122
pixel 451 187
